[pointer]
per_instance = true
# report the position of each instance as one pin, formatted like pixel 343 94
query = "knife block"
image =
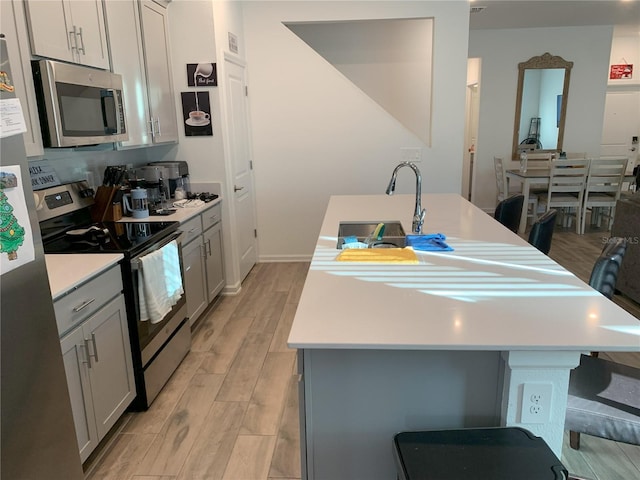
pixel 103 207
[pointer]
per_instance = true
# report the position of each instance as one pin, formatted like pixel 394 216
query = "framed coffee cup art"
pixel 196 114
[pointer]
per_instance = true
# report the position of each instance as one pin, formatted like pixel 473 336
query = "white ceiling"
pixel 625 14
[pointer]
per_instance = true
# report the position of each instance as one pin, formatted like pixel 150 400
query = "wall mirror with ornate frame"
pixel 541 104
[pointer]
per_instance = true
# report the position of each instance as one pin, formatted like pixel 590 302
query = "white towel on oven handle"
pixel 159 282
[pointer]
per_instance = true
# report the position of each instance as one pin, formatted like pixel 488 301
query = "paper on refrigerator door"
pixel 11 118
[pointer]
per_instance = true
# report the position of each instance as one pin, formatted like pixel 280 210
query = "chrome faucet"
pixel 418 214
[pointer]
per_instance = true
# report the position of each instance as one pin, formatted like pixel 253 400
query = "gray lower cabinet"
pixel 202 260
pixel 194 278
pixel 97 357
pixel 212 239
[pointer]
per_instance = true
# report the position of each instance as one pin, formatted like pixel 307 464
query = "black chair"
pixel 508 212
pixel 604 396
pixel 605 271
pixel 604 401
pixel 542 231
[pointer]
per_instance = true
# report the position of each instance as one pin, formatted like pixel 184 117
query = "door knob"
pixel 237 189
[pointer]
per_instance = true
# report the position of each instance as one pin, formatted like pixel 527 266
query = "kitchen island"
pixel 448 343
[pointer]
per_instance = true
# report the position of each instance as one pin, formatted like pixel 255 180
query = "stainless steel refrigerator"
pixel 38 436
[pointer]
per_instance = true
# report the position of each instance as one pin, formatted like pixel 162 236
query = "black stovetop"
pixel 63 235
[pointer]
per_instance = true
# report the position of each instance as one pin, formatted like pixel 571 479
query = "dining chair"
pixel 604 396
pixel 501 183
pixel 603 401
pixel 575 155
pixel 566 187
pixel 542 231
pixel 540 159
pixel 509 210
pixel 604 274
pixel 536 161
pixel 602 189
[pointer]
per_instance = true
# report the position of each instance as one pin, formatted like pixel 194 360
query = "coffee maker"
pixel 153 180
pixel 176 177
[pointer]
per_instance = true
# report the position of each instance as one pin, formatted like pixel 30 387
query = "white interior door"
pixel 621 124
pixel 240 159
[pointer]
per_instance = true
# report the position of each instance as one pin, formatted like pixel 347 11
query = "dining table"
pixel 538 177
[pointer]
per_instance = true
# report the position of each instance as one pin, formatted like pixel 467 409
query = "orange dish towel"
pixel 378 255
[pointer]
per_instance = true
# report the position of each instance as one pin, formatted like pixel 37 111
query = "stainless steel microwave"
pixel 78 105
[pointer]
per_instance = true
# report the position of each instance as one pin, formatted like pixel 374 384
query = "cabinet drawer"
pixel 87 299
pixel 191 228
pixel 211 216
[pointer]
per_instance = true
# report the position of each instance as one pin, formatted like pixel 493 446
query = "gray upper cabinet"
pixel 127 60
pixel 155 38
pixel 14 27
pixel 139 44
pixel 69 30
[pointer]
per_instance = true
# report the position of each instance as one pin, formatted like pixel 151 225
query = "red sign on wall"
pixel 621 72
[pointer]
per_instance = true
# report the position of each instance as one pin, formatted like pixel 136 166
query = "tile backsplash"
pixel 88 163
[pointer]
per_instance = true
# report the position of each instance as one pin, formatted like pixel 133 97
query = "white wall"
pixel 501 51
pixel 198 33
pixel 625 48
pixel 192 35
pixel 315 134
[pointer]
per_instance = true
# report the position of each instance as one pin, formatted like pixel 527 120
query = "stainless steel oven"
pixel 158 345
pixel 164 344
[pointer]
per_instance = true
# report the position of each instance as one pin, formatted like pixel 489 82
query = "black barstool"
pixel 501 453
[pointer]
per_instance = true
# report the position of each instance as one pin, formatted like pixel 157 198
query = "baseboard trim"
pixel 284 258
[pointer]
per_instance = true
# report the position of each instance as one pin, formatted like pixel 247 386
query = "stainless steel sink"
pixel 393 236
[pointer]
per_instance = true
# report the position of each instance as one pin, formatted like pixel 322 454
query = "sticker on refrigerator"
pixel 16 241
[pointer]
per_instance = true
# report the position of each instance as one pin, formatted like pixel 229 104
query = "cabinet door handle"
pixel 87 355
pixel 79 34
pixel 203 251
pixel 153 130
pixel 83 305
pixel 159 130
pixel 73 41
pixel 209 242
pixel 237 189
pixel 95 349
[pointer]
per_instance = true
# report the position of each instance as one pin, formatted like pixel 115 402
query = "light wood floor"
pixel 231 410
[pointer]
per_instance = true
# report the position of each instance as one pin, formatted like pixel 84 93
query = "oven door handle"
pixel 135 262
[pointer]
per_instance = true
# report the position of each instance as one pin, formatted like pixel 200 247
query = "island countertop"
pixel 493 292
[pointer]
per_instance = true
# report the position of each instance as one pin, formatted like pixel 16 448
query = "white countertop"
pixel 180 215
pixel 67 271
pixel 493 292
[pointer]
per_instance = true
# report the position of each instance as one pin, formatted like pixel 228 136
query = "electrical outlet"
pixel 410 154
pixel 536 403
